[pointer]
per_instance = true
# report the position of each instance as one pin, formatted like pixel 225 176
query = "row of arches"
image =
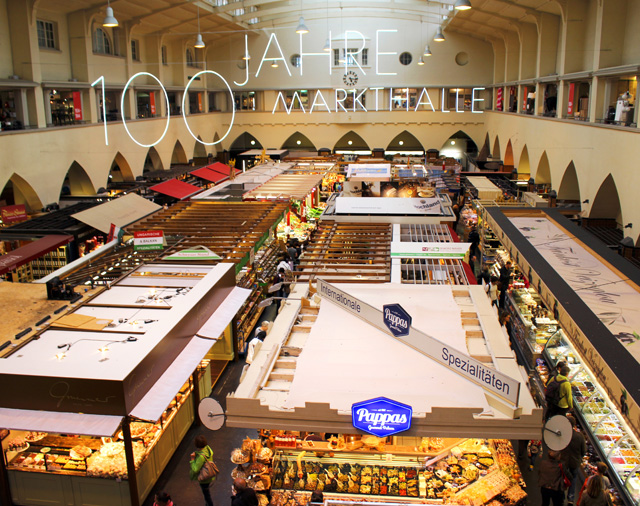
pixel 604 204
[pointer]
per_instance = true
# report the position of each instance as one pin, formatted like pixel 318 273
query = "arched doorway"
pixel 351 143
pixel 243 142
pixel 459 146
pixel 569 189
pixel 77 182
pixel 199 150
pixel 524 169
pixel 405 143
pixel 179 156
pixel 18 191
pixel 152 161
pixel 485 151
pixel 543 173
pixel 606 204
pixel 298 142
pixel 120 170
pixel 496 153
pixel 507 165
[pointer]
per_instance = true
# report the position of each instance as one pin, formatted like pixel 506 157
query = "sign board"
pixel 381 205
pixel 381 417
pixel 429 249
pixel 196 253
pixel 77 106
pixel 369 171
pixel 12 214
pixel 148 240
pixel 397 320
pixel 491 380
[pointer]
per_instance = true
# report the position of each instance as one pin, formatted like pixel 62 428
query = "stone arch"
pixel 244 142
pixel 458 146
pixel 120 170
pixel 485 151
pixel 298 142
pixel 199 150
pixel 405 142
pixel 152 161
pixel 18 191
pixel 508 158
pixel 351 141
pixel 524 168
pixel 77 182
pixel 179 155
pixel 496 153
pixel 543 172
pixel 569 187
pixel 606 204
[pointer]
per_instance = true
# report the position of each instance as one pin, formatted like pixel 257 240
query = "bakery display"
pixel 17 444
pixel 79 452
pixel 33 437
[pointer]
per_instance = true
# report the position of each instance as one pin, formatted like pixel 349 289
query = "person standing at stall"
pixel 202 455
pixel 572 457
pixel 595 494
pixel 242 494
pixel 558 393
pixel 505 280
pixel 550 479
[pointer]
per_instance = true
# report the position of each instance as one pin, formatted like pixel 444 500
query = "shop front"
pixel 401 431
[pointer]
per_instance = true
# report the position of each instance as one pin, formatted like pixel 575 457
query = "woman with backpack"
pixel 201 469
pixel 595 493
pixel 558 394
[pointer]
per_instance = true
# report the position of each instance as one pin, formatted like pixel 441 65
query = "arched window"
pixel 189 57
pixel 101 42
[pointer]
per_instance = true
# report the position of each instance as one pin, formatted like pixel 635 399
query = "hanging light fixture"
pixel 199 42
pixel 302 28
pixel 439 36
pixel 427 51
pixel 274 64
pixel 327 46
pixel 109 20
pixel 462 5
pixel 421 61
pixel 247 56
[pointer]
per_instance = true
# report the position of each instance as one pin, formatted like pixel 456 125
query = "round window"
pixel 406 58
pixel 462 58
pixel 295 60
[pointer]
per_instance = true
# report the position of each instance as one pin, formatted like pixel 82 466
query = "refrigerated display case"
pixel 614 441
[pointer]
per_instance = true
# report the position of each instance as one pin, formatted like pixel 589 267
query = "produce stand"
pixel 604 363
pixel 120 366
pixel 284 392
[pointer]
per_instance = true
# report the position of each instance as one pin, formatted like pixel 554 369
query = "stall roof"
pixel 175 188
pixel 121 212
pixel 281 153
pixel 61 423
pixel 222 168
pixel 249 179
pixel 14 259
pixel 60 222
pixel 286 186
pixel 209 175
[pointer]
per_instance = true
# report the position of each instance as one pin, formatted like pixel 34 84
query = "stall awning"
pixel 36 249
pixel 57 422
pixel 222 168
pixel 158 398
pixel 176 189
pixel 121 212
pixel 209 175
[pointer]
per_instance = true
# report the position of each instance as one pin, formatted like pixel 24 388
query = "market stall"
pixel 243 182
pixel 318 344
pixel 584 319
pixel 120 366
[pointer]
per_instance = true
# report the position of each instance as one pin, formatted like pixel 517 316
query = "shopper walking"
pixel 202 455
pixel 533 450
pixel 492 290
pixel 558 394
pixel 485 276
pixel 551 480
pixel 595 494
pixel 572 457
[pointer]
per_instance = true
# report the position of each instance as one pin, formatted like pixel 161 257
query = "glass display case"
pixel 614 441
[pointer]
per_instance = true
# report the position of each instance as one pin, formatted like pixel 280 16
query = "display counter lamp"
pixel 462 5
pixel 109 20
pixel 439 36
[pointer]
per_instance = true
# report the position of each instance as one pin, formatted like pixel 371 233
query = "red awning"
pixel 209 175
pixel 36 249
pixel 222 168
pixel 175 188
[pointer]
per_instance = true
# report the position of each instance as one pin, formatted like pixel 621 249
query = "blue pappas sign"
pixel 381 417
pixel 396 319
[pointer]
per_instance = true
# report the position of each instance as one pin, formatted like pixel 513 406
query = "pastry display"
pixel 79 452
pixel 17 444
pixel 239 457
pixel 32 437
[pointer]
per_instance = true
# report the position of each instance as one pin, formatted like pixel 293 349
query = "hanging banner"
pixel 525 94
pixel 199 102
pixel 429 249
pixel 499 99
pixel 195 253
pixel 491 380
pixel 77 106
pixel 148 240
pixel 152 102
pixel 572 90
pixel 12 214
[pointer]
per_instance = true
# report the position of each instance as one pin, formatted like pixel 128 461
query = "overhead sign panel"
pixel 381 417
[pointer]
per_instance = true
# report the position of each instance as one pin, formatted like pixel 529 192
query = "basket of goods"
pixel 265 454
pixel 239 457
pixel 372 442
pixel 79 452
